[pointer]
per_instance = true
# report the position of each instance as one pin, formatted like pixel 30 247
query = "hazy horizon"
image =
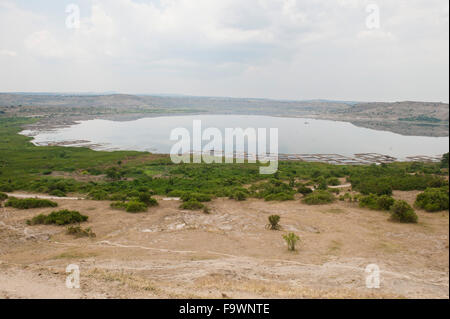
pixel 175 95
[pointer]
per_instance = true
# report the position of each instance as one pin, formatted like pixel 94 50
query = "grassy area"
pixel 20 159
pixel 127 175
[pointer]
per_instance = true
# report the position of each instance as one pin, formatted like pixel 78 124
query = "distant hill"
pixel 401 110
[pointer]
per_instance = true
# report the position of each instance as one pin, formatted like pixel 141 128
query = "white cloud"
pixel 8 53
pixel 43 43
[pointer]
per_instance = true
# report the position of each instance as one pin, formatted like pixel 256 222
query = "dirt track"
pixel 169 253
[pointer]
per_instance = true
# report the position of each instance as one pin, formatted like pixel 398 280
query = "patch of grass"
pixel 28 203
pixel 123 279
pixel 334 211
pixel 192 205
pixel 335 246
pixel 319 197
pixel 334 190
pixel 119 205
pixel 347 197
pixel 62 217
pixel 74 255
pixel 389 247
pixel 79 232
pixel 278 197
pixel 98 194
pixel 199 197
pixel 136 207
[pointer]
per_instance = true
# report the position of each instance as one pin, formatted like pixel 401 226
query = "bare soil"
pixel 171 253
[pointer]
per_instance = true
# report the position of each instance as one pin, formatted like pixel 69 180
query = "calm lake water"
pixel 296 135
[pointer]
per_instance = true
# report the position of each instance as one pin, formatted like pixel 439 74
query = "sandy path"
pixel 25 195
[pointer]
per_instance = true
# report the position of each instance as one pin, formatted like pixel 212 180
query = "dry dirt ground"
pixel 171 253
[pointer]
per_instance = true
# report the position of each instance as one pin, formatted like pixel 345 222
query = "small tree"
pixel 402 212
pixel 433 199
pixel 291 240
pixel 444 162
pixel 114 174
pixel 3 196
pixel 136 207
pixel 304 190
pixel 274 222
pixel 147 199
pixel 239 196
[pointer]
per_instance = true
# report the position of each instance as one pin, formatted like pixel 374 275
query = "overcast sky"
pixel 287 49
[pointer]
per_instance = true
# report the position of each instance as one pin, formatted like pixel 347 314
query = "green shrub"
pixel 333 181
pixel 147 199
pixel 188 196
pixel 136 207
pixel 152 202
pixel 274 221
pixel 304 190
pixel 118 197
pixel 239 196
pixel 322 184
pixel 114 173
pixel 192 205
pixel 133 194
pixel 6 188
pixel 375 202
pixel 334 190
pixel 356 198
pixel 319 197
pixel 273 190
pixel 291 240
pixel 433 200
pixel 79 232
pixel 385 202
pixel 118 205
pixel 37 220
pixel 444 161
pixel 369 201
pixel 206 210
pixel 27 203
pixel 57 193
pixel 402 212
pixel 3 197
pixel 98 195
pixel 176 194
pixel 345 197
pixel 374 186
pixel 62 217
pixel 278 197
